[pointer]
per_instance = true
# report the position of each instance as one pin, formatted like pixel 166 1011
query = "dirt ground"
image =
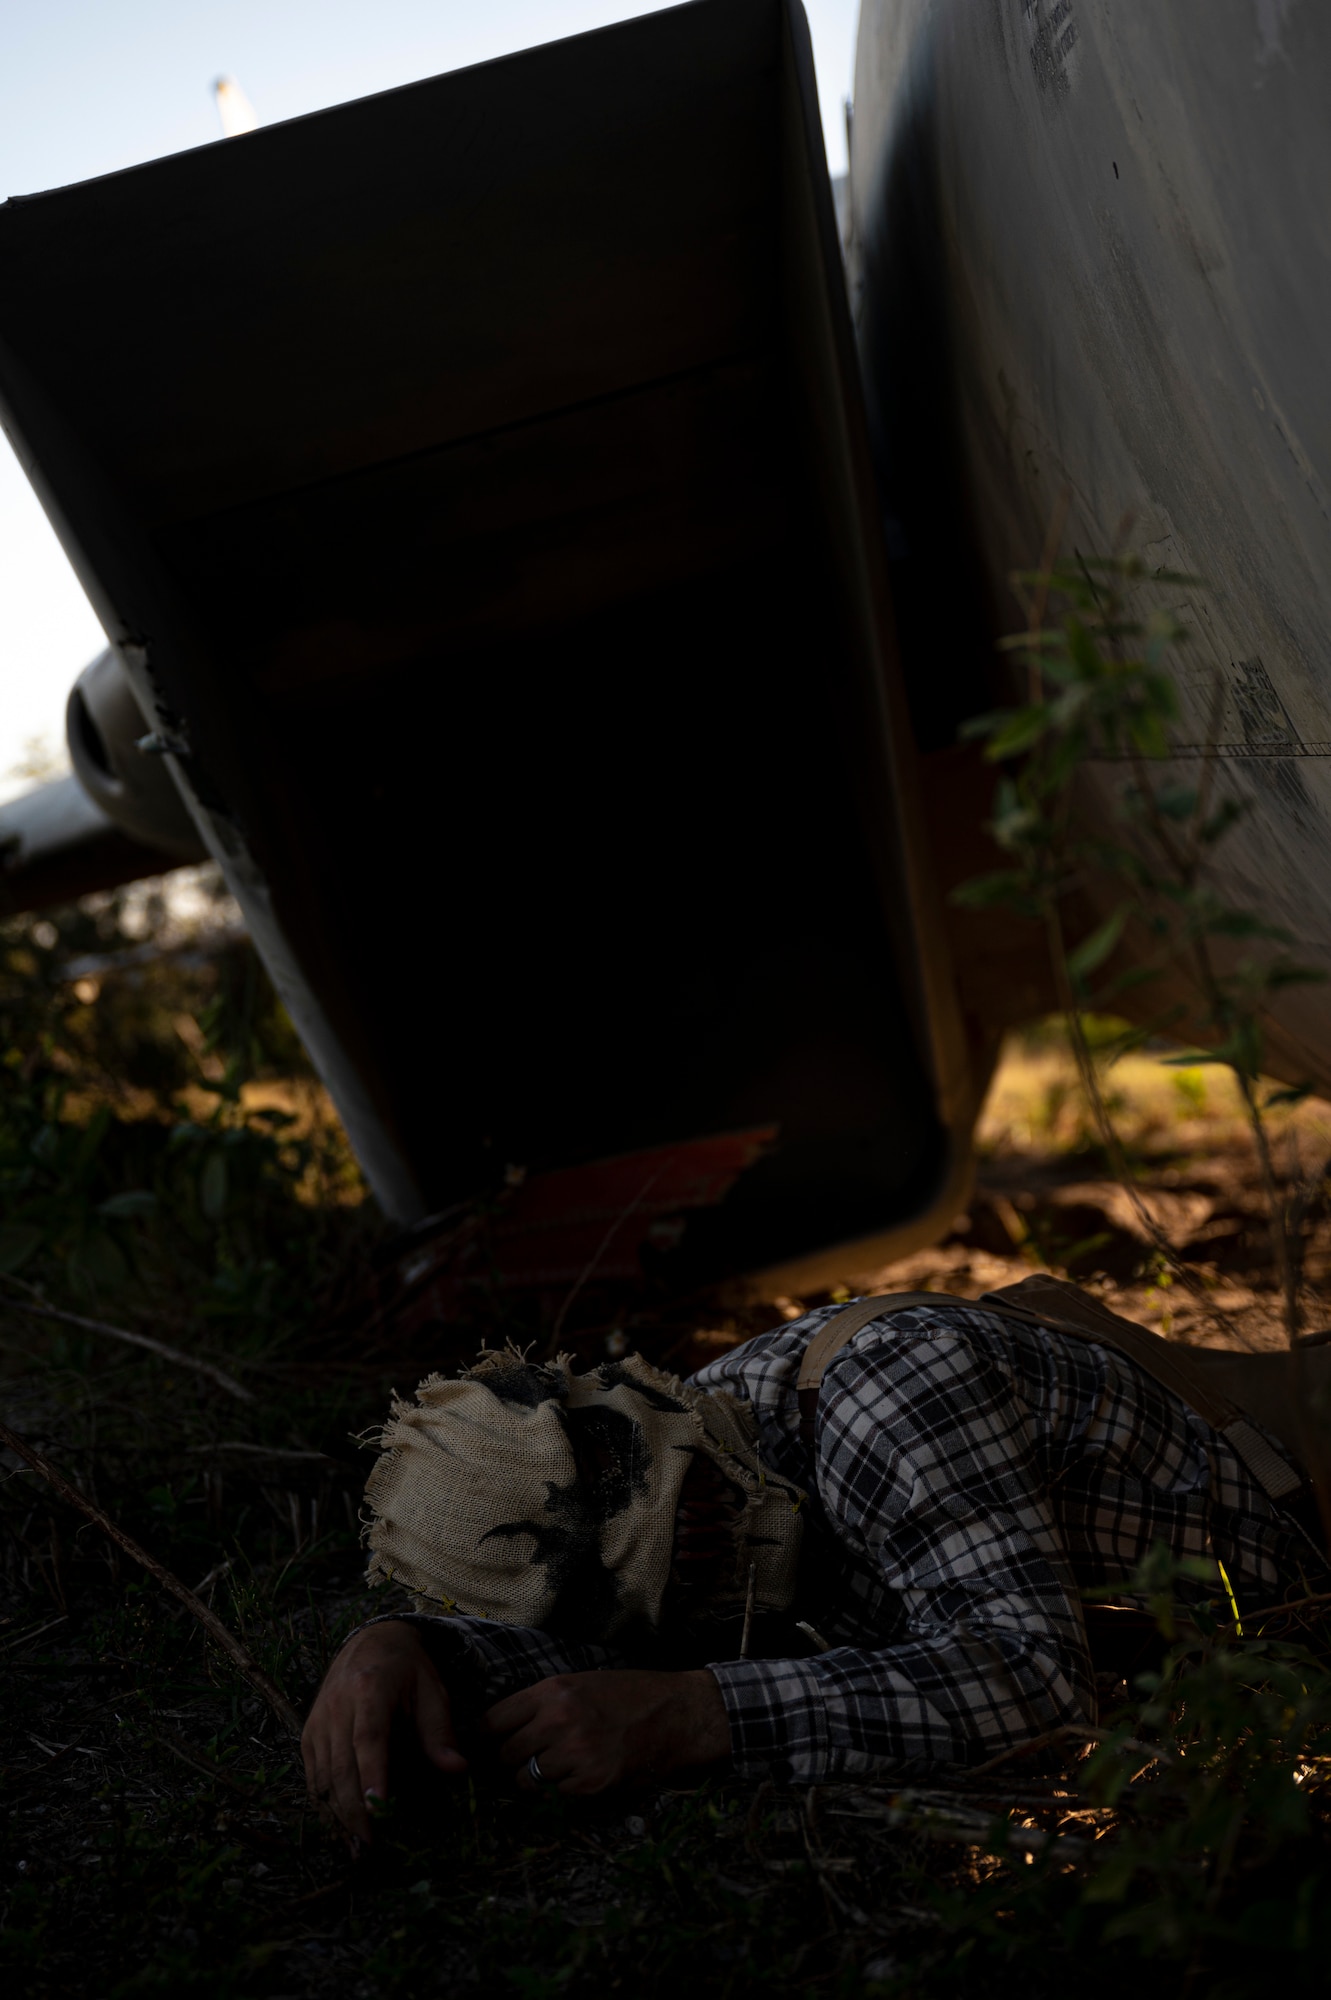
pixel 1042 1200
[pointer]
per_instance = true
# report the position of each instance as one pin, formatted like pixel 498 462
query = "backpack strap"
pixel 832 1336
pixel 1045 1302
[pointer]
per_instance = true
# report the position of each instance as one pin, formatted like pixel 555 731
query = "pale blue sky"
pixel 88 86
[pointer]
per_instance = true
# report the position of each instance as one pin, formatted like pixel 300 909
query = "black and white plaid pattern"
pixel 971 1478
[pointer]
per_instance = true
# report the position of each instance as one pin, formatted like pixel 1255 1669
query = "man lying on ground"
pixel 912 1555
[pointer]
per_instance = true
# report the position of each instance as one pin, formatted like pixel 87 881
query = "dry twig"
pixel 1070 1732
pixel 274 1451
pixel 589 1268
pixel 1274 1610
pixel 175 1355
pixel 240 1656
pixel 177 1747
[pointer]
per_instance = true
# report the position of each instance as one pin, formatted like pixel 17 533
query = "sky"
pixel 90 86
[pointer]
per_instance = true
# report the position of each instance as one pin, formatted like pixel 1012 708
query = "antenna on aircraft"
pixel 234 108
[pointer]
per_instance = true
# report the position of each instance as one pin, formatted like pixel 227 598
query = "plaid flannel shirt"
pixel 969 1479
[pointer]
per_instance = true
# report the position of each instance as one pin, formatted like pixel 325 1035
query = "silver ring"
pixel 534 1770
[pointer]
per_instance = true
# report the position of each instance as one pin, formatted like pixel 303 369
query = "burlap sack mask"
pixel 523 1492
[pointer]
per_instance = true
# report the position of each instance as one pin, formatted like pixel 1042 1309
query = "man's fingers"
pixel 532 1741
pixel 315 1759
pixel 554 1761
pixel 319 1781
pixel 434 1724
pixel 369 1746
pixel 382 1672
pixel 513 1711
pixel 347 1796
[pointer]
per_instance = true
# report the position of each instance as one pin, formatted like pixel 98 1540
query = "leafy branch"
pixel 1099 688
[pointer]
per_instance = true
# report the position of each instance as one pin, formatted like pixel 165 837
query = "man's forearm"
pixel 485 1661
pixel 928 1704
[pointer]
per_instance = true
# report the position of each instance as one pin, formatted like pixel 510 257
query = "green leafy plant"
pixel 1217 1775
pixel 135 1169
pixel 1100 690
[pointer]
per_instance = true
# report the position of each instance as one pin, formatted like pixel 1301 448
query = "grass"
pixel 168 1165
pixel 1036 1106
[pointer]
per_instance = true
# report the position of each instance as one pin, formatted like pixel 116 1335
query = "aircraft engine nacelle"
pixel 496 562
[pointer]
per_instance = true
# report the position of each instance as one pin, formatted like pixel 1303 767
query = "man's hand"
pixel 590 1731
pixel 381 1673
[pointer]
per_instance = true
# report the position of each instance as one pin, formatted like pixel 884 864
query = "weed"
pixel 1218 1850
pixel 1100 691
pixel 1190 1088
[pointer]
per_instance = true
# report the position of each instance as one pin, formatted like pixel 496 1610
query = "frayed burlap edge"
pixel 727 1412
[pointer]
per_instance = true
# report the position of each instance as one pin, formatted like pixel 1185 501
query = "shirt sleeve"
pixel 483 1661
pixel 929 1468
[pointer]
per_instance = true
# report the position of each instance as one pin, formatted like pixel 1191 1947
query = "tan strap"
pixel 832 1336
pixel 1043 1301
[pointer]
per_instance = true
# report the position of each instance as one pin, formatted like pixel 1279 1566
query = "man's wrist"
pixel 705 1725
pixel 380 1633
